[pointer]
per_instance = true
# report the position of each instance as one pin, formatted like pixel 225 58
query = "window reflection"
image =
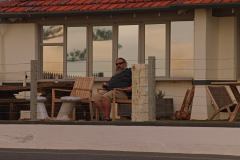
pixel 53 34
pixel 76 51
pixel 182 41
pixel 155 45
pixel 53 59
pixel 102 51
pixel 128 43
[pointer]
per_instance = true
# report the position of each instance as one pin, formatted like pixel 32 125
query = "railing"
pixel 20 74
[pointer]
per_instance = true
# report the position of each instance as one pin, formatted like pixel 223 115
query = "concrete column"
pixel 143 92
pixel 33 94
pixel 199 108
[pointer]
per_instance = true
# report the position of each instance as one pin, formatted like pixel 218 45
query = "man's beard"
pixel 119 70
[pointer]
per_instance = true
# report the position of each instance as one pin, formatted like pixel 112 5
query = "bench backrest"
pixel 83 87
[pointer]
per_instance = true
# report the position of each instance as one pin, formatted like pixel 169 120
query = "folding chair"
pixel 222 102
pixel 185 112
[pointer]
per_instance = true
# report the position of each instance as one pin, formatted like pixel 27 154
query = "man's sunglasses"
pixel 119 63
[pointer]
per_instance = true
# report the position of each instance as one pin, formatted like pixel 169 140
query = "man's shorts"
pixel 109 94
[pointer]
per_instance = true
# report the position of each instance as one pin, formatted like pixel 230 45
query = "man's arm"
pixel 126 89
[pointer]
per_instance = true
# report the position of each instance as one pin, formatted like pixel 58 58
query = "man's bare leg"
pixel 98 103
pixel 106 107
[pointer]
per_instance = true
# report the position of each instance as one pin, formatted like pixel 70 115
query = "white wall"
pixel 193 140
pixel 221 51
pixel 226 48
pixel 215 47
pixel 18 48
pixel 212 47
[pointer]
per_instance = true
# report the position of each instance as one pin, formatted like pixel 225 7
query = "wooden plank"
pixel 14 101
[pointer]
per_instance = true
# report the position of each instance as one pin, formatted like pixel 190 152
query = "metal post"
pixel 33 100
pixel 151 88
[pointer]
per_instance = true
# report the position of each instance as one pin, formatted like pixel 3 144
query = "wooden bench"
pixel 118 101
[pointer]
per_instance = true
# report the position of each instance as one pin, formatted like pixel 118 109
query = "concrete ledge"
pixel 176 123
pixel 194 140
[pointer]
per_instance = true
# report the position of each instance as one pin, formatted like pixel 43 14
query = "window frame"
pixel 42 44
pixel 65 51
pixel 115 36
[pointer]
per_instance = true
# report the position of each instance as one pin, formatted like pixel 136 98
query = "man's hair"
pixel 120 58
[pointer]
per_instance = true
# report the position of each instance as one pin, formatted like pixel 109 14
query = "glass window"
pixel 102 51
pixel 52 38
pixel 155 45
pixel 182 42
pixel 128 43
pixel 53 34
pixel 76 51
pixel 53 59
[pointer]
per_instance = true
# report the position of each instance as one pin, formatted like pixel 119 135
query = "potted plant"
pixel 164 106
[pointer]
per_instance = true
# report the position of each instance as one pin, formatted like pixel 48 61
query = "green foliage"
pixel 160 94
pixel 52 32
pixel 119 46
pixel 102 35
pixel 77 55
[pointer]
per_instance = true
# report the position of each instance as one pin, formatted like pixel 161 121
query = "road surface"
pixel 29 154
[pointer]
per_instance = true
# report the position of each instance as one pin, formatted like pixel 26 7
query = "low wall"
pixel 194 140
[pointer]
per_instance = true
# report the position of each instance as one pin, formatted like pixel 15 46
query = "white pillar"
pixel 201 28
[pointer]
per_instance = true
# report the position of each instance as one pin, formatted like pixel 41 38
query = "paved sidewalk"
pixel 160 139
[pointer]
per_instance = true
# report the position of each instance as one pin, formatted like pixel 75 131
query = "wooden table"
pixel 45 88
pixel 7 99
pixel 236 83
pixel 13 112
pixel 7 92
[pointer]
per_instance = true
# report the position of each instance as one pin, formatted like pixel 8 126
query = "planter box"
pixel 124 110
pixel 164 108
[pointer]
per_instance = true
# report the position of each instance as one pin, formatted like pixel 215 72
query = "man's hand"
pixel 105 85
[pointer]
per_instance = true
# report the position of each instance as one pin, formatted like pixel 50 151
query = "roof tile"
pixel 51 6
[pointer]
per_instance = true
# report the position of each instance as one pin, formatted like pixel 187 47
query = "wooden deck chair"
pixel 82 89
pixel 222 102
pixel 185 112
pixel 118 101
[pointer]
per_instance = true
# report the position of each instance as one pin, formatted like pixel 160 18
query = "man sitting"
pixel 122 80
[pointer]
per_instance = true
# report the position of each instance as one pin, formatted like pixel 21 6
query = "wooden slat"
pixel 222 102
pixel 220 95
pixel 235 92
pixel 82 88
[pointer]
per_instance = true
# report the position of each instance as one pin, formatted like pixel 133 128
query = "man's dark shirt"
pixel 121 80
